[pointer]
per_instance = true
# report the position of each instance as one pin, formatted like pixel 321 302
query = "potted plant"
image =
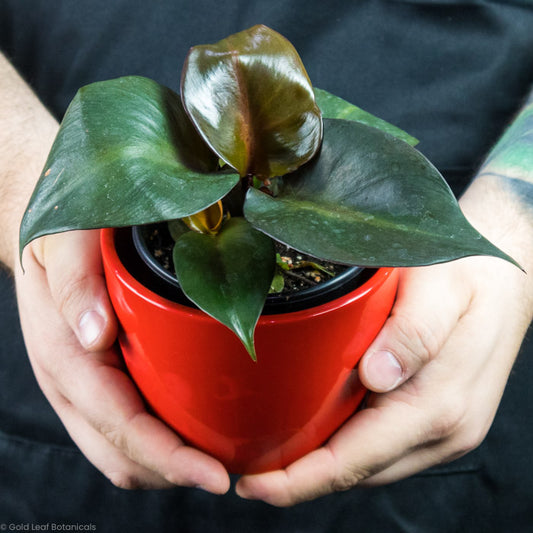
pixel 249 155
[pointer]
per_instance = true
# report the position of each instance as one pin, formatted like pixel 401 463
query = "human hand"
pixel 69 329
pixel 455 330
pixel 439 366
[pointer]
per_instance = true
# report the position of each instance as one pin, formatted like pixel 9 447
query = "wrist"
pixel 495 209
pixel 27 134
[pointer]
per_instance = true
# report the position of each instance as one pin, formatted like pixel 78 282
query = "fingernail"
pixel 383 371
pixel 90 328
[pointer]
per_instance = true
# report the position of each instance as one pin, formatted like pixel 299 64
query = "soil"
pixel 304 271
pixel 299 271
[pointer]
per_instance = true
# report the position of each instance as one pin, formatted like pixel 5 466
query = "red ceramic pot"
pixel 196 376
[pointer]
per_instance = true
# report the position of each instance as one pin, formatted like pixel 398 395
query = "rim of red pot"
pixel 111 258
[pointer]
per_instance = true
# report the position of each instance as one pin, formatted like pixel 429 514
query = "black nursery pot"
pixel 164 282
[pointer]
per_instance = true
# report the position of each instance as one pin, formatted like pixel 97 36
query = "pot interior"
pixel 138 259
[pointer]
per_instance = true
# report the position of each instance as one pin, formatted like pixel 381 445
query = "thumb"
pixel 428 307
pixel 73 265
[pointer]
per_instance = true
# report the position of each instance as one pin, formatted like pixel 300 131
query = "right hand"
pixel 69 328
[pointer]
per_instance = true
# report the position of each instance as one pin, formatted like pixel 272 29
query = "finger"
pixel 468 399
pixel 428 306
pixel 119 469
pixel 368 443
pixel 104 395
pixel 398 434
pixel 111 404
pixel 75 276
pixel 442 412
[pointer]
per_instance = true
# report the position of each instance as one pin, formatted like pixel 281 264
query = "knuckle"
pixel 450 420
pixel 455 428
pixel 467 442
pixel 348 479
pixel 115 436
pixel 342 483
pixel 340 475
pixel 124 480
pixel 118 433
pixel 470 436
pixel 416 339
pixel 70 292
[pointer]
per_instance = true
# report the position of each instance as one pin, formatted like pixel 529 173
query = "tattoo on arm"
pixel 512 157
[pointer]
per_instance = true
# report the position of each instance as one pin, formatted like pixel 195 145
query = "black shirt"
pixel 452 73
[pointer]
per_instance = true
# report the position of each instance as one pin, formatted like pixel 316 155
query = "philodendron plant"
pixel 249 152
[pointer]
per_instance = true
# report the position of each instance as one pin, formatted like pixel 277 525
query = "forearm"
pixel 499 202
pixel 26 135
pixel 512 157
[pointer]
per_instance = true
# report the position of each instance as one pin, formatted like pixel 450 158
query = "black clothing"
pixel 452 73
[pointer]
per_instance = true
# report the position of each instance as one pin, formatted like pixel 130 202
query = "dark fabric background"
pixel 452 73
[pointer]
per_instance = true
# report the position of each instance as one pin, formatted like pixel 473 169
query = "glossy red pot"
pixel 196 376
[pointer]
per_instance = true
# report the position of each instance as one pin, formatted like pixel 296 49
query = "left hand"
pixel 454 333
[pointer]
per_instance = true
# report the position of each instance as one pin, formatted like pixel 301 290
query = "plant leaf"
pixel 251 99
pixel 126 154
pixel 177 228
pixel 228 275
pixel 334 107
pixel 369 199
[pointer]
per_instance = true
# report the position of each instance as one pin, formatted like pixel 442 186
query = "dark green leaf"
pixel 251 99
pixel 123 156
pixel 369 199
pixel 334 107
pixel 177 228
pixel 228 275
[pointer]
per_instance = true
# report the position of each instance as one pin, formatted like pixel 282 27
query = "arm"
pixel 69 327
pixel 27 133
pixel 443 358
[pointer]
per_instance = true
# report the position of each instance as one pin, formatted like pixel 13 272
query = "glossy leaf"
pixel 332 106
pixel 251 99
pixel 228 275
pixel 177 228
pixel 124 155
pixel 369 199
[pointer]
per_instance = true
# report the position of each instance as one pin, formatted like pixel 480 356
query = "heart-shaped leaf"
pixel 228 275
pixel 251 99
pixel 126 154
pixel 369 199
pixel 334 107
